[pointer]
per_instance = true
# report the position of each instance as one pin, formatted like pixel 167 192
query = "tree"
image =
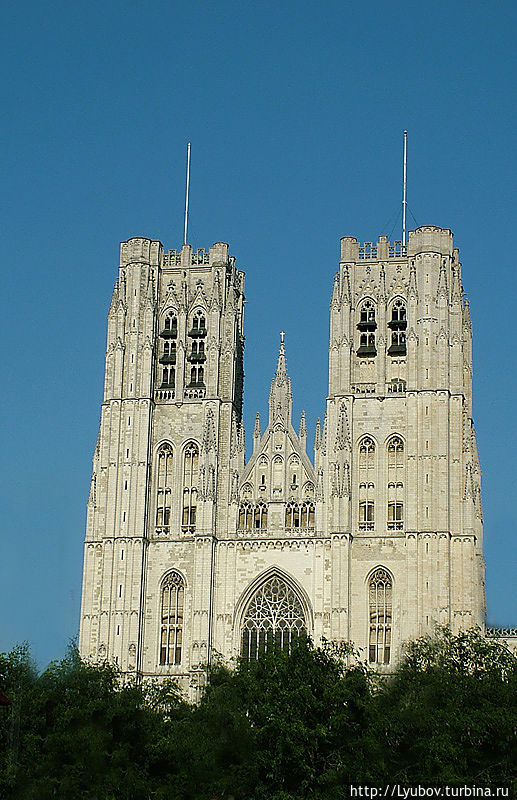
pixel 449 713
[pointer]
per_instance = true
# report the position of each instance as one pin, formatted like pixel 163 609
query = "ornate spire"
pixel 336 300
pixel 302 433
pixel 412 291
pixel 280 397
pixel 442 283
pixel 456 287
pixel 317 436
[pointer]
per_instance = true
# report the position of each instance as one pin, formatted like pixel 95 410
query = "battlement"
pixel 148 251
pixel 427 238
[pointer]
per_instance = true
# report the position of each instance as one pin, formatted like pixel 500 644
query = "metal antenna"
pixel 404 194
pixel 186 194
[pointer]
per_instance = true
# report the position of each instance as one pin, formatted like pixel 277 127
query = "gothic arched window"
pixel 398 325
pixel 367 325
pixel 171 618
pixel 396 463
pixel 299 515
pixel 164 478
pixel 170 326
pixel 168 378
pixel 380 589
pixel 366 484
pixel 190 479
pixel 198 325
pixel 245 517
pixel 274 617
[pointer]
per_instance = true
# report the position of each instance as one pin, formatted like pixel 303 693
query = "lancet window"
pixel 190 487
pixel 274 618
pixel 367 325
pixel 197 377
pixel 299 515
pixel 252 517
pixel 164 481
pixel 398 325
pixel 198 325
pixel 168 378
pixel 367 453
pixel 170 326
pixel 395 472
pixel 172 608
pixel 380 590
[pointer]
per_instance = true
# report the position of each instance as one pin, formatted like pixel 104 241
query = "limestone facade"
pixel 191 551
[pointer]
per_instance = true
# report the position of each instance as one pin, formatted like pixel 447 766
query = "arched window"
pixel 252 517
pixel 168 378
pixel 170 326
pixel 190 479
pixel 260 517
pixel 380 589
pixel 398 325
pixel 366 484
pixel 198 325
pixel 278 472
pixel 273 618
pixel 164 479
pixel 367 325
pixel 171 630
pixel 299 515
pixel 245 517
pixel 197 377
pixel 396 470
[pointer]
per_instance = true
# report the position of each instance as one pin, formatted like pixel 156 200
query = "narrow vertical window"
pixel 398 326
pixel 171 634
pixel 367 484
pixel 190 478
pixel 380 588
pixel 366 326
pixel 395 493
pixel 164 489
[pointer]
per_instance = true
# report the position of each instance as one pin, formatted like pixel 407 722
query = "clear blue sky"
pixel 295 111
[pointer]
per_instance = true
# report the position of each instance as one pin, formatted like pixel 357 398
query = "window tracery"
pixel 274 617
pixel 380 589
pixel 171 618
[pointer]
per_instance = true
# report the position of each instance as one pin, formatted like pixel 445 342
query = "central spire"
pixel 280 397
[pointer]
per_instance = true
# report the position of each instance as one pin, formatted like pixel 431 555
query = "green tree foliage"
pixel 304 724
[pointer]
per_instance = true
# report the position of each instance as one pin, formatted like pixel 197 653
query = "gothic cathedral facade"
pixel 191 551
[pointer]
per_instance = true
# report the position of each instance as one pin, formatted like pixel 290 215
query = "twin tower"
pixel 191 550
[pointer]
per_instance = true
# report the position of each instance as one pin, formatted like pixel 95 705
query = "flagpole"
pixel 186 194
pixel 404 193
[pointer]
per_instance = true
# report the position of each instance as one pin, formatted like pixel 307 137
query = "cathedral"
pixel 193 551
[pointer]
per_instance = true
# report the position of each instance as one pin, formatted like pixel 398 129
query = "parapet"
pixel 187 257
pixel 427 238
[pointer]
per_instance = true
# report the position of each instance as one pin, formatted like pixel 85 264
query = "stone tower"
pixel 169 446
pixel 190 551
pixel 398 458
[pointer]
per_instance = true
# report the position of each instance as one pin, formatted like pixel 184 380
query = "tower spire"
pixel 280 397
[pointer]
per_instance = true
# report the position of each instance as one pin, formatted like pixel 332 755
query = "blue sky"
pixel 295 112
